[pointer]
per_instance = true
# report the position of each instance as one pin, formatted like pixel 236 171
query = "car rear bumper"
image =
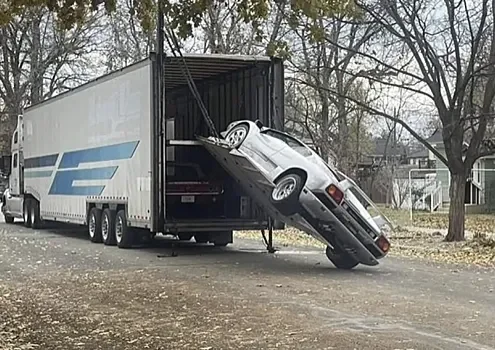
pixel 329 224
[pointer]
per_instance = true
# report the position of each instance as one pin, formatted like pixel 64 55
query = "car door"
pixel 261 149
pixel 286 151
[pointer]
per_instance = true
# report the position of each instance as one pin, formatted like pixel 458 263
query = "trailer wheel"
pixel 124 235
pixel 185 236
pixel 107 227
pixel 9 219
pixel 237 135
pixel 285 195
pixel 202 238
pixel 221 238
pixel 35 214
pixel 94 225
pixel 26 212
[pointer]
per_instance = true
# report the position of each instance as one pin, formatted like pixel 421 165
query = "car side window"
pixel 289 141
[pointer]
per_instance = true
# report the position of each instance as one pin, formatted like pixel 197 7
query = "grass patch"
pixel 475 223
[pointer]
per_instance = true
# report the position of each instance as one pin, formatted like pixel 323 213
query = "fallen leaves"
pixel 40 314
pixel 418 243
pixel 475 223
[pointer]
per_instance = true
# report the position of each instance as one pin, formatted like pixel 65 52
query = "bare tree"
pixel 127 42
pixel 444 51
pixel 323 68
pixel 37 60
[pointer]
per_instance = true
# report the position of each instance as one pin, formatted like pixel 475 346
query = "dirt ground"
pixel 59 291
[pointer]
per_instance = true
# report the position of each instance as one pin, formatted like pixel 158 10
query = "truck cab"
pixel 13 195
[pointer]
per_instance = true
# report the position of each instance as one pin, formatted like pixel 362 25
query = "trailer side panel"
pixel 92 144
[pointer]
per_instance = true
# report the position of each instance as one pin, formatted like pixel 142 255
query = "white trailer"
pixel 101 154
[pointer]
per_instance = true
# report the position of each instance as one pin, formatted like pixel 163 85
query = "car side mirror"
pixel 258 123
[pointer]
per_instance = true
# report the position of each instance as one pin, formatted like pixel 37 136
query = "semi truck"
pixel 104 156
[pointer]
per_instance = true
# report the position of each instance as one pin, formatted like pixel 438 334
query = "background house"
pixel 480 187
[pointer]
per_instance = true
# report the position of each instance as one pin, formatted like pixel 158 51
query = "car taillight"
pixel 383 243
pixel 335 193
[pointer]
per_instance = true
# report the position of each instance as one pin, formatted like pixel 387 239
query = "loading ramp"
pixel 253 181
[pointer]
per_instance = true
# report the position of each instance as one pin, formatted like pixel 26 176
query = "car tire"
pixel 237 135
pixel 94 225
pixel 107 227
pixel 124 235
pixel 26 212
pixel 341 260
pixel 285 195
pixel 34 211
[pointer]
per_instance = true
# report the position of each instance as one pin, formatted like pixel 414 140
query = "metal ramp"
pixel 249 177
pixel 253 180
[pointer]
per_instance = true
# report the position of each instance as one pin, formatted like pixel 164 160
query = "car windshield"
pixel 296 145
pixel 302 149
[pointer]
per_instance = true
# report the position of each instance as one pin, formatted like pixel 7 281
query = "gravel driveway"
pixel 59 291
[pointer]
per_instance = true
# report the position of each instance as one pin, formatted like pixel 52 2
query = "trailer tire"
pixel 185 236
pixel 221 238
pixel 26 212
pixel 35 215
pixel 94 225
pixel 202 238
pixel 124 235
pixel 107 227
pixel 9 219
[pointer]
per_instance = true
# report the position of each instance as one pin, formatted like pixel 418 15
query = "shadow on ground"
pixel 244 255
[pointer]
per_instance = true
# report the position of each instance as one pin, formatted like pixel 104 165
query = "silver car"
pixel 312 195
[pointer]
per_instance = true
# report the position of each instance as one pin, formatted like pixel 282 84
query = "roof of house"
pixel 419 153
pixel 436 137
pixel 382 146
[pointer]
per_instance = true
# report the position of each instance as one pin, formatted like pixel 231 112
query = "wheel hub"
pixel 119 229
pixel 104 228
pixel 236 136
pixel 284 188
pixel 92 226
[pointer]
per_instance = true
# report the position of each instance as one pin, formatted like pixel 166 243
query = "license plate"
pixel 187 199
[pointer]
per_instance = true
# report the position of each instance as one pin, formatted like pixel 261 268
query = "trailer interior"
pixel 200 196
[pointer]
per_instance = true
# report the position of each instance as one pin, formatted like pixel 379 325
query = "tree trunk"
pixel 457 208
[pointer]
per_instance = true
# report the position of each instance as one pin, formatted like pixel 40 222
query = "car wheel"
pixel 341 260
pixel 107 229
pixel 94 225
pixel 237 135
pixel 285 195
pixel 124 235
pixel 35 215
pixel 26 212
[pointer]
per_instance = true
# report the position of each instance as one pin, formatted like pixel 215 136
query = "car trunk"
pixel 231 88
